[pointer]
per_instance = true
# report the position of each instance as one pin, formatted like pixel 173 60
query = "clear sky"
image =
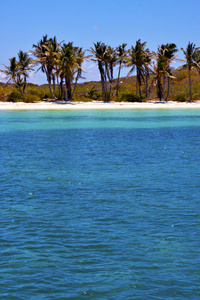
pixel 84 22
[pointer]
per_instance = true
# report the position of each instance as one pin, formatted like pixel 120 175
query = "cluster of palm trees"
pixel 140 59
pixel 107 58
pixel 17 71
pixel 62 64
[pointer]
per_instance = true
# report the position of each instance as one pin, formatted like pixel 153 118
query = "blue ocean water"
pixel 100 204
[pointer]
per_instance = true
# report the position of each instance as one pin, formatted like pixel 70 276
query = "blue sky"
pixel 23 23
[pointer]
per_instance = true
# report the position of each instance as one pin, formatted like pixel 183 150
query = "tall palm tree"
pixel 191 57
pixel 70 60
pixel 121 55
pixel 80 58
pixel 53 54
pixel 169 51
pixel 99 52
pixel 162 69
pixel 24 65
pixel 110 60
pixel 159 70
pixel 147 68
pixel 12 73
pixel 45 59
pixel 136 60
pixel 106 57
pixel 66 67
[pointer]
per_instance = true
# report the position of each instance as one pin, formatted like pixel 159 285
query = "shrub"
pixel 92 93
pixel 32 98
pixel 129 97
pixel 180 98
pixel 195 96
pixel 81 98
pixel 40 92
pixel 16 96
pixel 35 92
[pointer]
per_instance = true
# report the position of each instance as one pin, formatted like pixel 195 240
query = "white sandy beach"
pixel 61 105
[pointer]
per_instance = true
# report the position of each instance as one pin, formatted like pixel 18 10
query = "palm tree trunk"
pixel 24 86
pixel 61 87
pixel 164 80
pixel 139 84
pixel 103 83
pixel 66 96
pixel 140 91
pixel 17 84
pixel 65 90
pixel 146 85
pixel 74 86
pixel 58 85
pixel 109 92
pixel 20 89
pixel 68 88
pixel 110 83
pixel 103 86
pixel 159 87
pixel 50 88
pixel 136 86
pixel 106 89
pixel 168 83
pixel 118 80
pixel 54 86
pixel 190 83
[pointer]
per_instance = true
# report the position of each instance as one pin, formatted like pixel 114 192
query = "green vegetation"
pixel 192 57
pixel 17 71
pixel 62 65
pixel 15 96
pixel 139 59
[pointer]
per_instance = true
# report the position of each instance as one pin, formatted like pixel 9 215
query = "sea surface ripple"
pixel 100 204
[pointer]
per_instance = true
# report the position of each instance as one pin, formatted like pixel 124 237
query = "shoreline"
pixel 98 105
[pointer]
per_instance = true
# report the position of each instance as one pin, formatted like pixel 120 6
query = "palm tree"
pixel 110 59
pixel 12 73
pixel 92 92
pixel 53 53
pixel 106 57
pixel 80 58
pixel 147 63
pixel 24 65
pixel 66 67
pixel 98 52
pixel 169 51
pixel 137 59
pixel 70 62
pixel 121 54
pixel 162 69
pixel 191 57
pixel 46 59
pixel 159 70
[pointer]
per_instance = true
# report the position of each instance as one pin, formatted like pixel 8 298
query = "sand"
pixel 61 105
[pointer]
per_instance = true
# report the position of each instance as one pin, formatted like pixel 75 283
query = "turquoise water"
pixel 100 204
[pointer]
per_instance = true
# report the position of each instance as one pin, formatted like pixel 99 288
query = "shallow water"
pixel 100 204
